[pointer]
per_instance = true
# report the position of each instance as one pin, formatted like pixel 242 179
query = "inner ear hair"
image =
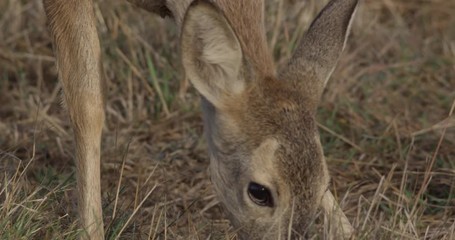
pixel 211 54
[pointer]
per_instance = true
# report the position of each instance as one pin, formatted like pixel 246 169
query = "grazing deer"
pixel 267 163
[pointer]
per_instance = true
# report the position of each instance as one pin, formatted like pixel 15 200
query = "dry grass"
pixel 386 122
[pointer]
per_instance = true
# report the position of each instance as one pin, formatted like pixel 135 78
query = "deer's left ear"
pixel 211 54
pixel 315 59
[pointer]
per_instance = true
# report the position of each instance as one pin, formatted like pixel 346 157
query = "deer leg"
pixel 73 29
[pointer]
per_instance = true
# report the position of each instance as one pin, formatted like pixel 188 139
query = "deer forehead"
pixel 263 166
pixel 295 154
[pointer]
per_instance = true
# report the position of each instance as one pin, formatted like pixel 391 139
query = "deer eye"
pixel 260 195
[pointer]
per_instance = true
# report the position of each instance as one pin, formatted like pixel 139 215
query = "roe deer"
pixel 266 159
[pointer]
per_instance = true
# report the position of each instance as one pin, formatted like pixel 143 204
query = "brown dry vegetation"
pixel 385 120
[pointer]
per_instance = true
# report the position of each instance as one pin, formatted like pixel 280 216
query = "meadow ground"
pixel 386 123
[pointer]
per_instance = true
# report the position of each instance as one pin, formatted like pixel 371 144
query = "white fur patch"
pixel 262 162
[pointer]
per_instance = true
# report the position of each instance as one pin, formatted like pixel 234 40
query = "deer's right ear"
pixel 211 54
pixel 321 46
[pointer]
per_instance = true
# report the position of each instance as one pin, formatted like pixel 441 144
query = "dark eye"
pixel 260 195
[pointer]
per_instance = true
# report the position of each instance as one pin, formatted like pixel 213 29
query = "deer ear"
pixel 211 54
pixel 315 58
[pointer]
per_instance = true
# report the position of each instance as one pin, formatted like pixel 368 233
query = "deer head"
pixel 267 162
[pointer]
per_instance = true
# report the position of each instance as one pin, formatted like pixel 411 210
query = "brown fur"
pixel 320 47
pixel 247 17
pixel 278 110
pixel 266 108
pixel 72 26
pixel 260 126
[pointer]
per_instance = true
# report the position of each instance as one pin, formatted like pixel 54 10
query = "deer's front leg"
pixel 76 44
pixel 85 106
